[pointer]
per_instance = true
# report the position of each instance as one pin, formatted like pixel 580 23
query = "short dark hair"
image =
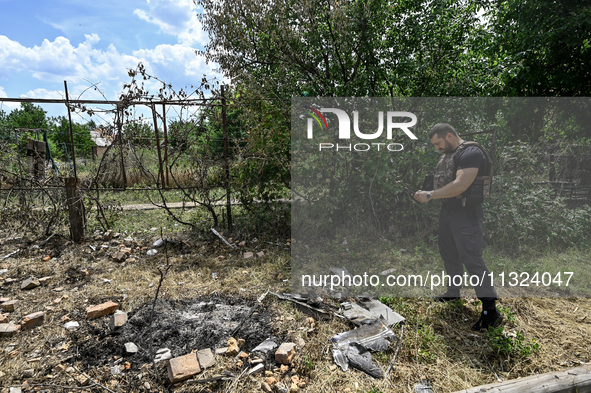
pixel 441 130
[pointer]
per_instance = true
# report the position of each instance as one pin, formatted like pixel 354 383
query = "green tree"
pixel 210 137
pixel 182 133
pixel 351 48
pixel 60 133
pixel 139 133
pixel 542 47
pixel 28 116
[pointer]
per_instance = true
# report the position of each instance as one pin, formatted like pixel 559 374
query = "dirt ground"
pixel 208 292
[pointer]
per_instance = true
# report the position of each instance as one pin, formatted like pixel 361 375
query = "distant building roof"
pixel 99 139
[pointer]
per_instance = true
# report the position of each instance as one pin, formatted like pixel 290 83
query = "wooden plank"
pixel 75 209
pixel 575 380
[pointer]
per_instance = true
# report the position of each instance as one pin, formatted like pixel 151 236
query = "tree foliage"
pixel 543 47
pixel 349 48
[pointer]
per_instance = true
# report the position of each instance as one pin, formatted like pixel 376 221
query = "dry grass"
pixel 438 342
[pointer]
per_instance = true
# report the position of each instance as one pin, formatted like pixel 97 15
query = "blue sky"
pixel 43 43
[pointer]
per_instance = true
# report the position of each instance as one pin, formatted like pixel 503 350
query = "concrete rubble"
pixel 118 319
pixel 162 354
pixel 206 358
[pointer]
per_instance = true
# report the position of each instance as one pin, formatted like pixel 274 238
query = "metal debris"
pixel 11 254
pixel 353 347
pixel 370 310
pixel 223 239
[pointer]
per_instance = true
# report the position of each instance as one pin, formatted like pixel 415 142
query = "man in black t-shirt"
pixel 460 221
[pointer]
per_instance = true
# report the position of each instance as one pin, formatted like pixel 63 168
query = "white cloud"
pixel 82 65
pixel 59 60
pixel 175 58
pixel 7 106
pixel 175 17
pixel 44 94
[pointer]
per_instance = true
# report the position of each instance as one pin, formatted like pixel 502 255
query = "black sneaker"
pixel 446 297
pixel 488 319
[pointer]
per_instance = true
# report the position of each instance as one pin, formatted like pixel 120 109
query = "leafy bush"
pixel 523 214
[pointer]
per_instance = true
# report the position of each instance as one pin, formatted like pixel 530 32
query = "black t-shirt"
pixel 471 157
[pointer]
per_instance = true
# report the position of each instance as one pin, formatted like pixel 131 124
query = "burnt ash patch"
pixel 181 326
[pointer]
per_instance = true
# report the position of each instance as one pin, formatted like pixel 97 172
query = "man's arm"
pixel 464 177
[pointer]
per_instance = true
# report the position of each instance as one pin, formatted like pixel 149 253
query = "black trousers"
pixel 460 245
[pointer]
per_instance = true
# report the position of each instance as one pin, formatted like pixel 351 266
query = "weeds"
pixel 510 344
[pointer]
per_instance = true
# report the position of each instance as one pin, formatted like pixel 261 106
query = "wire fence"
pixel 173 158
pixel 171 152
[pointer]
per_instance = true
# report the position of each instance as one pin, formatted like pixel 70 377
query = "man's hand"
pixel 421 196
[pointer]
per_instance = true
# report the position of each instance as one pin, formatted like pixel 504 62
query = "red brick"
pixel 183 367
pixel 32 320
pixel 101 310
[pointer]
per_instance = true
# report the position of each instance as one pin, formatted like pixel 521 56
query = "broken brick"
pixel 83 380
pixel 101 310
pixel 285 353
pixel 32 320
pixel 9 305
pixel 248 255
pixel 107 236
pixel 233 348
pixel 205 358
pixel 183 367
pixel 8 329
pixel 221 351
pixel 119 256
pixel 30 283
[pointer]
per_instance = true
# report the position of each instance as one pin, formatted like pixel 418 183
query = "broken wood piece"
pixel 574 380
